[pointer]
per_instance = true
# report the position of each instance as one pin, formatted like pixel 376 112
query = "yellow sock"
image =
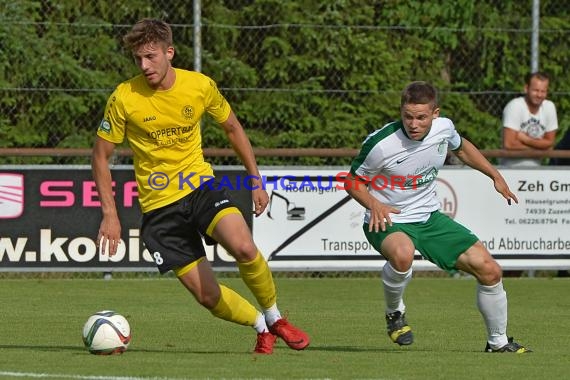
pixel 258 278
pixel 234 308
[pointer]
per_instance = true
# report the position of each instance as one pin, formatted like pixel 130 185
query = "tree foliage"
pixel 307 73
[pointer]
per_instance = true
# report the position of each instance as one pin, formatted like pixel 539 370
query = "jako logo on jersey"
pixel 11 195
pixel 149 118
pixel 218 204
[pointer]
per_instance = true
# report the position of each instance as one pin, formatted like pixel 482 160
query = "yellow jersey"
pixel 163 131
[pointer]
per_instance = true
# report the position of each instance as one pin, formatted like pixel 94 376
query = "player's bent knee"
pixel 401 264
pixel 209 300
pixel 491 273
pixel 496 272
pixel 402 260
pixel 244 252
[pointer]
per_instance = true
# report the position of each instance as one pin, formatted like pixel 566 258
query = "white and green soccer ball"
pixel 106 333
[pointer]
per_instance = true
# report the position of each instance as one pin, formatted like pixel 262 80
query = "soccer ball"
pixel 106 333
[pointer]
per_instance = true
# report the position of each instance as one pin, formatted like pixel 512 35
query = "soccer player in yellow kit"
pixel 159 113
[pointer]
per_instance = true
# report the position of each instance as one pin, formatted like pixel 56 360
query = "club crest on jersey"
pixel 188 112
pixel 442 148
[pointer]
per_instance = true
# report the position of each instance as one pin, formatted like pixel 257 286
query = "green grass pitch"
pixel 174 338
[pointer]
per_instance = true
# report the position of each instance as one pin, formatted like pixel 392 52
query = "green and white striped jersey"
pixel 403 171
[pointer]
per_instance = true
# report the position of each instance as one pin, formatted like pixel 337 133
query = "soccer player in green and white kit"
pixel 403 218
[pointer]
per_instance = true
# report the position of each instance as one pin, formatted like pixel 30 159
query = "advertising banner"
pixel 50 215
pixel 313 224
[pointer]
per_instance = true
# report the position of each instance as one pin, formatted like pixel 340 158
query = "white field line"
pixel 33 375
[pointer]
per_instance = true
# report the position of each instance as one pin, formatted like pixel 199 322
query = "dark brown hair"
pixel 419 92
pixel 540 75
pixel 148 31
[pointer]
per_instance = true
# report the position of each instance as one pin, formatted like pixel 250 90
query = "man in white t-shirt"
pixel 394 179
pixel 530 121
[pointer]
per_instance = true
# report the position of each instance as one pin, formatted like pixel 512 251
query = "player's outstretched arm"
pixel 109 235
pixel 472 157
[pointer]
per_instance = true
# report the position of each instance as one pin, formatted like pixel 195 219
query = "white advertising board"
pixel 312 224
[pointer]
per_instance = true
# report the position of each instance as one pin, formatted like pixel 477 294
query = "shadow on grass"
pixel 384 350
pixel 83 350
pixel 40 348
pixel 172 350
pixel 387 350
